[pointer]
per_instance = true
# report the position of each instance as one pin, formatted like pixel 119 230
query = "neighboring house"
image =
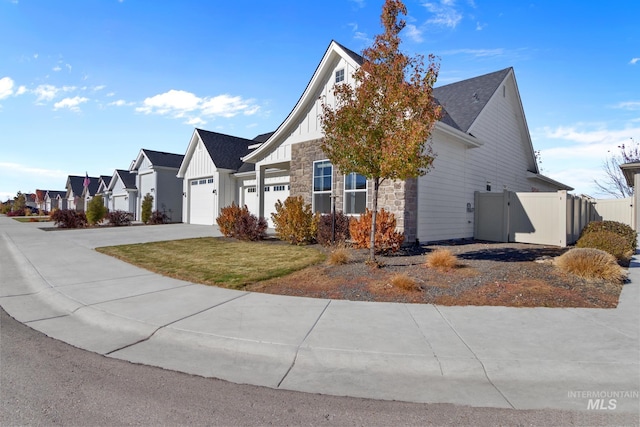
pixel 482 143
pixel 75 189
pixel 90 190
pixel 123 191
pixel 103 190
pixel 53 199
pixel 31 201
pixel 39 199
pixel 215 176
pixel 156 175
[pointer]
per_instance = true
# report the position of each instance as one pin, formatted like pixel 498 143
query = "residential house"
pixel 75 188
pixel 54 200
pixel 207 171
pixel 103 190
pixel 90 190
pixel 156 174
pixel 123 191
pixel 482 143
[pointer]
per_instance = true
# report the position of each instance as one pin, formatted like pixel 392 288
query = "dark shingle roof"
pixel 263 137
pixel 77 184
pixel 127 178
pixel 464 100
pixel 225 150
pixel 160 158
pixel 106 179
pixel 356 57
pixel 55 193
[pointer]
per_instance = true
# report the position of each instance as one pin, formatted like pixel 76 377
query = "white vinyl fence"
pixel 542 218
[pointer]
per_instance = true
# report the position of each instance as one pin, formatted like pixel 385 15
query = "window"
pixel 278 188
pixel 251 190
pixel 203 181
pixel 194 182
pixel 340 76
pixel 210 181
pixel 322 181
pixel 267 188
pixel 355 193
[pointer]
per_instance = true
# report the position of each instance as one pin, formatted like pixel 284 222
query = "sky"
pixel 84 85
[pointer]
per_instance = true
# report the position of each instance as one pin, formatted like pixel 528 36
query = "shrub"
pixel 67 218
pixel 339 256
pixel 5 208
pixel 158 217
pixel 590 263
pixel 27 211
pixel 441 259
pixel 96 210
pixel 294 221
pixel 616 227
pixel 607 241
pixel 387 239
pixel 403 281
pixel 53 211
pixel 18 212
pixel 145 209
pixel 325 224
pixel 238 222
pixel 119 218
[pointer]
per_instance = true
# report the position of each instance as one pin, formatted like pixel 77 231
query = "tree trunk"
pixel 374 215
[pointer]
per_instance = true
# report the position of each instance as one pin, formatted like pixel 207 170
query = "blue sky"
pixel 84 85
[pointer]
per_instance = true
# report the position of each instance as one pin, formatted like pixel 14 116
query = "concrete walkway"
pixel 524 358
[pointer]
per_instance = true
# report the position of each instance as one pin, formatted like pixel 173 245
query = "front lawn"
pixel 217 261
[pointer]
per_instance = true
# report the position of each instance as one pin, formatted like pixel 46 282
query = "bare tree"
pixel 615 183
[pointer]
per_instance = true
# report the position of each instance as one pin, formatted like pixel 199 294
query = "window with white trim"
pixel 278 188
pixel 210 181
pixel 355 193
pixel 203 181
pixel 322 183
pixel 340 76
pixel 251 190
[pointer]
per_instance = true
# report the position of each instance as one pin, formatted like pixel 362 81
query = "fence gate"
pixel 538 218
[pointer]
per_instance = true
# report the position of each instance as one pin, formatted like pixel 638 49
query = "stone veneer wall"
pixel 398 197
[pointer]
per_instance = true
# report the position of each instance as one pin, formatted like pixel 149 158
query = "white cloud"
pixel 70 103
pixel 634 61
pixel 120 103
pixel 628 105
pixel 445 13
pixel 478 53
pixel 21 90
pixel 359 3
pixel 480 27
pixel 181 104
pixel 414 33
pixel 48 173
pixel 6 87
pixel 57 68
pixel 45 92
pixel 196 121
pixel 98 88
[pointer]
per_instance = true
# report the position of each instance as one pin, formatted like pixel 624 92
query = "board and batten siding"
pixel 309 126
pixel 443 193
pixel 168 194
pixel 200 166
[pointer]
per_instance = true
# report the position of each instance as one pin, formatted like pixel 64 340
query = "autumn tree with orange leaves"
pixel 380 127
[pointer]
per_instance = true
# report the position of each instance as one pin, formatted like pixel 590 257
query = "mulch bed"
pixel 499 274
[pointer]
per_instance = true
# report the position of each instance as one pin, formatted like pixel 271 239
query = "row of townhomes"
pixel 482 143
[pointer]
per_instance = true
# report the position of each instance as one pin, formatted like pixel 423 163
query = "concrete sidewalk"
pixel 524 358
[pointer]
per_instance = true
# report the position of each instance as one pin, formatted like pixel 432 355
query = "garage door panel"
pixel 202 201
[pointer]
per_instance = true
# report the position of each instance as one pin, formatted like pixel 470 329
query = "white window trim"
pixel 345 191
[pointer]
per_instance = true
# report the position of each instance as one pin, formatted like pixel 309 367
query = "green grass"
pixel 31 218
pixel 218 262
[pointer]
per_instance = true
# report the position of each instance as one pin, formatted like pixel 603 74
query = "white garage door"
pixel 120 203
pixel 273 193
pixel 251 199
pixel 202 209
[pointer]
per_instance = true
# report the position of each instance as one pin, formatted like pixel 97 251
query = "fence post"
pixel 562 218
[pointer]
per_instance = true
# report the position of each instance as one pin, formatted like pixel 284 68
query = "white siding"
pixel 200 163
pixel 444 192
pixel 146 182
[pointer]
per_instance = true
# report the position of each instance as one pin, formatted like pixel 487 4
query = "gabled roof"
pixel 158 158
pixel 76 183
pixel 161 158
pixel 127 178
pixel 335 51
pixel 106 179
pixel 463 101
pixel 226 151
pixel 55 193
